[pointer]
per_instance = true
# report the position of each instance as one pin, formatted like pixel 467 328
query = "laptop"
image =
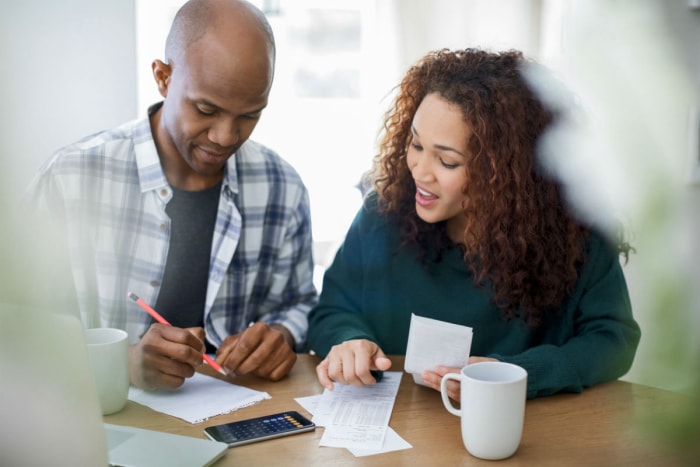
pixel 49 407
pixel 129 446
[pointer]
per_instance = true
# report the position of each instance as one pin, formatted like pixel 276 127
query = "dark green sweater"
pixel 373 286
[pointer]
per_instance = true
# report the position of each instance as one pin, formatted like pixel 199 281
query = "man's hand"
pixel 266 351
pixel 351 363
pixel 165 356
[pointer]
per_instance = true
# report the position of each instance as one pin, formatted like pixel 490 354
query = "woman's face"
pixel 436 158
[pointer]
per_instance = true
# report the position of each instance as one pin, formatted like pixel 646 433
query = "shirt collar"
pixel 150 171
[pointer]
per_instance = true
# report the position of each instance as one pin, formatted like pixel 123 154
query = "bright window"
pixel 325 105
pixel 337 63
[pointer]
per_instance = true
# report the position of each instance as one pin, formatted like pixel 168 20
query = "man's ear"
pixel 161 73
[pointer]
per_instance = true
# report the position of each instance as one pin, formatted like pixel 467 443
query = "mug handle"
pixel 443 392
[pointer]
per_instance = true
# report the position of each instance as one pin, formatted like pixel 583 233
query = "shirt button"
pixel 164 192
pixel 155 283
pixel 163 227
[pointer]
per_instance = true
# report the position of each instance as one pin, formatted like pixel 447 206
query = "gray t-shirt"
pixel 183 291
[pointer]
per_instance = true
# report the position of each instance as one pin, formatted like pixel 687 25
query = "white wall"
pixel 458 24
pixel 68 71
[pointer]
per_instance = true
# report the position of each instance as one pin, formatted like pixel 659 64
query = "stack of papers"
pixel 357 418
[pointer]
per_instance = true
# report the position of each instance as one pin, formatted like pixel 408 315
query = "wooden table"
pixel 602 426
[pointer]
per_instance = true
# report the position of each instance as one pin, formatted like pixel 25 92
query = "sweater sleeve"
pixel 338 315
pixel 605 334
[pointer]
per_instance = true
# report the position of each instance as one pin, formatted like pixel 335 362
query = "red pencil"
pixel 162 320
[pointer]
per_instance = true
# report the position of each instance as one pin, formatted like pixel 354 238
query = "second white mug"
pixel 108 349
pixel 493 396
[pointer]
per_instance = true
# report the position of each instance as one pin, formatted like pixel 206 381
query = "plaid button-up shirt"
pixel 109 192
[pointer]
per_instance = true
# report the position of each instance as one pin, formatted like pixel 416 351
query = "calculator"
pixel 260 428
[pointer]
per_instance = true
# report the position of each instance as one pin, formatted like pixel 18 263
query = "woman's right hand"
pixel 351 362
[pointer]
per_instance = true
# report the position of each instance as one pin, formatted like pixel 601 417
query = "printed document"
pixel 357 417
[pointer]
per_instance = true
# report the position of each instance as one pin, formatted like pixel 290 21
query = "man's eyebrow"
pixel 204 101
pixel 441 147
pixel 256 111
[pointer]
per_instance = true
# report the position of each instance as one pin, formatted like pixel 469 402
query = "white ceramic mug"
pixel 108 349
pixel 492 410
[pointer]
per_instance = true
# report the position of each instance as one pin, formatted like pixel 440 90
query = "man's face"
pixel 213 100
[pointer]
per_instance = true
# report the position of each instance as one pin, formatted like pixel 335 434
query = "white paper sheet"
pixel 432 342
pixel 392 442
pixel 357 417
pixel 309 402
pixel 198 399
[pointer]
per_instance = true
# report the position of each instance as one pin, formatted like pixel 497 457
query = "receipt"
pixel 357 417
pixel 432 342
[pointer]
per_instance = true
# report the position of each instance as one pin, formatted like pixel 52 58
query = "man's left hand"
pixel 265 351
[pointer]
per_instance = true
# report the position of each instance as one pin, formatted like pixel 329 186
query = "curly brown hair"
pixel 520 238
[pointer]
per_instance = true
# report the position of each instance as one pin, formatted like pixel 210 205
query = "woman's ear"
pixel 161 73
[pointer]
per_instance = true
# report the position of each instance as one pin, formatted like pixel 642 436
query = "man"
pixel 180 209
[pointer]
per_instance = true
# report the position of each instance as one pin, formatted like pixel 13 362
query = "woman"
pixel 463 225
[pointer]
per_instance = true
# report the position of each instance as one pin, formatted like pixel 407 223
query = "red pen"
pixel 162 320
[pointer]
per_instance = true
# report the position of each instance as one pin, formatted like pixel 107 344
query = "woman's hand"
pixel 351 363
pixel 434 378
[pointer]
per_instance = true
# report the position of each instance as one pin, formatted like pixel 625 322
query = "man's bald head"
pixel 220 65
pixel 196 17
